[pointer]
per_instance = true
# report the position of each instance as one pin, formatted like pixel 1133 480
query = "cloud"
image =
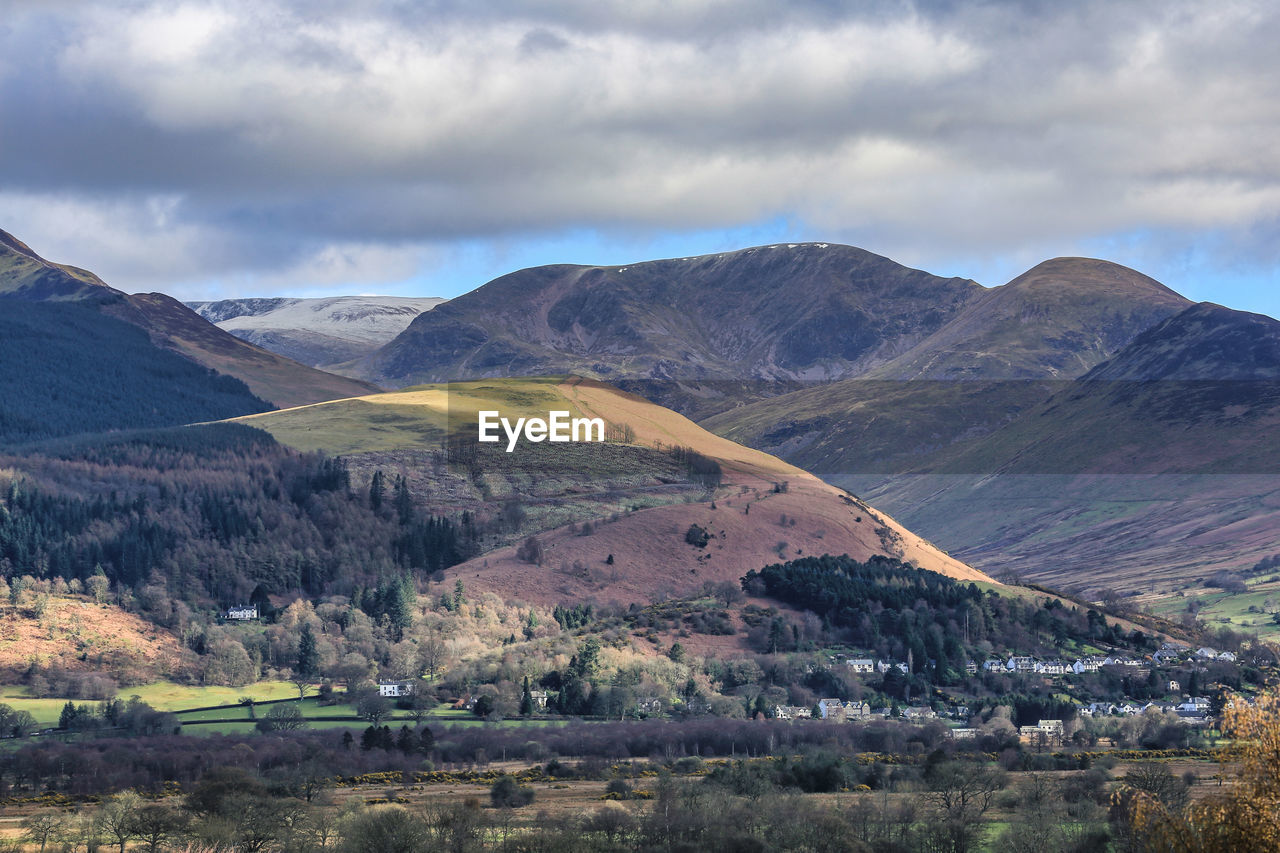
pixel 276 133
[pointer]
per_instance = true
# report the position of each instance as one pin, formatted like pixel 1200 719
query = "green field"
pixel 1240 611
pixel 163 696
pixel 231 716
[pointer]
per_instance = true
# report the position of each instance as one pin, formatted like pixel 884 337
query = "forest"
pixel 214 514
pixel 70 370
pixel 939 624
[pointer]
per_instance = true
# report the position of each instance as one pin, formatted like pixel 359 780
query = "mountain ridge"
pixel 699 320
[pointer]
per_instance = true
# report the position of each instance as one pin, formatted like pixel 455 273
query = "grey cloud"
pixel 281 128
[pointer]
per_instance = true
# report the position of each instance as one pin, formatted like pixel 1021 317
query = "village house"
pixel 1021 663
pixel 866 665
pixel 962 733
pixel 540 699
pixel 242 613
pixel 856 711
pixel 832 709
pixel 1048 730
pixel 792 712
pixel 395 689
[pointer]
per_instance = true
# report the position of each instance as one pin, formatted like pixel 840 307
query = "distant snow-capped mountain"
pixel 317 332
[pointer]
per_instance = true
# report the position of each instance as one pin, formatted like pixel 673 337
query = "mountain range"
pixel 1082 424
pixel 1040 402
pixel 613 518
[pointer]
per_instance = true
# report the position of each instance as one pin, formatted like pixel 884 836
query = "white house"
pixel 242 613
pixel 792 712
pixel 1051 730
pixel 862 665
pixel 395 689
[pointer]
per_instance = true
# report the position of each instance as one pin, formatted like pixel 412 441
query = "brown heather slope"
pixel 74 634
pixel 171 325
pixel 652 559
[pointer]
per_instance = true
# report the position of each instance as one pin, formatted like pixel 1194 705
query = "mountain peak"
pixel 1091 276
pixel 26 275
pixel 1057 320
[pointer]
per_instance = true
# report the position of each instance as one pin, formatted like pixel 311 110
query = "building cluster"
pixel 1194 710
pixel 1168 654
pixel 853 711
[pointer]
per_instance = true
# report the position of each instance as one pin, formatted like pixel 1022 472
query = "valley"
pixel 297 563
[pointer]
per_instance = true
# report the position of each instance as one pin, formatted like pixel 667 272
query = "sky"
pixel 221 148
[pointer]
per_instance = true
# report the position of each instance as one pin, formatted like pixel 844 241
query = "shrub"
pixel 507 793
pixel 530 551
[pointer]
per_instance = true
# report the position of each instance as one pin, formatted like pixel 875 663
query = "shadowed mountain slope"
pixel 1057 320
pixel 1156 467
pixel 1002 355
pixel 172 326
